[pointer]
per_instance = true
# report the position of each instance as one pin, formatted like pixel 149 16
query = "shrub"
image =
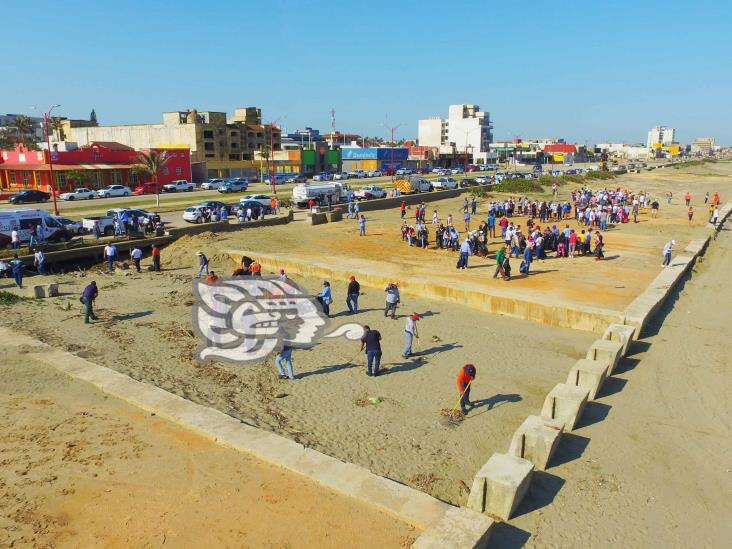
pixel 518 186
pixel 285 203
pixel 597 174
pixel 7 298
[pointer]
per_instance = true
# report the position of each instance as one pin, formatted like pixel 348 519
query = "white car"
pixel 483 179
pixel 114 190
pixel 72 226
pixel 374 173
pixel 357 174
pixel 179 185
pixel 78 194
pixel 369 192
pixel 340 176
pixel 444 183
pixel 212 184
pixel 193 214
pixel 323 177
pixel 261 198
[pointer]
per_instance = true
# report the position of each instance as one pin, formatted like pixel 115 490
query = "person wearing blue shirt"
pixel 362 226
pixel 285 357
pixel 325 297
pixel 464 254
pixel 527 260
pixel 492 224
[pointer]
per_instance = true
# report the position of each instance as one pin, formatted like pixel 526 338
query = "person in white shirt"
pixel 14 239
pixel 136 255
pixel 410 332
pixel 39 260
pixel 667 253
pixel 110 254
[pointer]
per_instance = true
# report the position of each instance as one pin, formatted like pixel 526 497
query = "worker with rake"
pixel 464 380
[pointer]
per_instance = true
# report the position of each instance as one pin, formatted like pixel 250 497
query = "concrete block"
pixel 620 333
pixel 52 290
pixel 606 352
pixel 565 403
pixel 318 219
pixel 500 485
pixel 38 291
pixel 636 318
pixel 588 374
pixel 535 440
pixel 459 528
pixel 335 215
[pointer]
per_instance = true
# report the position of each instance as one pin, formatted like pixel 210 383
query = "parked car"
pixel 194 214
pixel 404 171
pixel 357 174
pixel 280 179
pixel 456 171
pixel 179 185
pixel 573 171
pixel 212 184
pixel 78 194
pixel 148 187
pixel 323 177
pixel 132 211
pixel 484 180
pixel 74 227
pixel 368 192
pixel 30 195
pixel 468 182
pixel 340 176
pixel 212 204
pixel 114 190
pixel 253 204
pixel 373 173
pixel 296 178
pixel 444 183
pixel 261 198
pixel 234 186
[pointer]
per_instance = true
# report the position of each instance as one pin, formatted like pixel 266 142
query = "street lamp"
pixel 271 153
pixel 46 120
pixel 392 129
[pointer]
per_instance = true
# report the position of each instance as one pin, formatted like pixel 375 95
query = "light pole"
pixel 392 129
pixel 467 133
pixel 46 120
pixel 271 154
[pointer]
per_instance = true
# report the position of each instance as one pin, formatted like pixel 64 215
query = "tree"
pixel 151 163
pixel 23 132
pixel 80 178
pixel 93 116
pixel 57 126
pixel 264 155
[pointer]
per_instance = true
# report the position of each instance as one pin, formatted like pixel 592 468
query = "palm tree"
pixel 57 126
pixel 25 132
pixel 151 163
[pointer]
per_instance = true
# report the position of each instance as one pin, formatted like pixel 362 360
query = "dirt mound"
pixel 182 252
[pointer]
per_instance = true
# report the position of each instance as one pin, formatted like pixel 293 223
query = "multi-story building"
pixel 703 145
pixel 466 131
pixel 661 135
pixel 219 147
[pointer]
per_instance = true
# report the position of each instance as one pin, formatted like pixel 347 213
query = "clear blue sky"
pixel 579 70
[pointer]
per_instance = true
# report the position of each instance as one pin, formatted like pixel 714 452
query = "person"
pixel 654 209
pixel 156 257
pixel 465 205
pixel 467 221
pixel 88 296
pixel 492 224
pixel 473 206
pixel 403 208
pixel 410 332
pixel 14 239
pixel 16 267
pixel 362 226
pixel 715 215
pixel 669 246
pixel 212 278
pixel 325 297
pixel 371 341
pixel 392 300
pixel 465 379
pixel 500 259
pixel 256 268
pixel 706 197
pixel 33 242
pixel 599 245
pixel 687 198
pixel 354 289
pixel 136 255
pixel 526 263
pixel 464 253
pixel 715 199
pixel 669 197
pixel 690 213
pixel 283 275
pixel 286 357
pixel 202 264
pixel 110 253
pixel 39 260
pixel 274 205
pixel 97 230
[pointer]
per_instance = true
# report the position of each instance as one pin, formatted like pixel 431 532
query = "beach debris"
pixel 374 400
pixel 452 415
pixel 436 339
pixel 423 481
pixel 280 395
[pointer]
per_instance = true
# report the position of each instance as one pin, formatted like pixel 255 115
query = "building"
pixel 218 147
pixel 467 131
pixel 703 145
pixel 7 121
pixel 661 135
pixel 626 151
pixel 101 163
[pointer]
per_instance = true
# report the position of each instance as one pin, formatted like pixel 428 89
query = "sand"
pixel 80 469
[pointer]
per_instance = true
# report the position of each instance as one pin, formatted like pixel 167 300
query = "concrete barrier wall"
pixel 417 198
pixel 229 225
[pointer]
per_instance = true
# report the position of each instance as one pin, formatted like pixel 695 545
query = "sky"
pixel 582 71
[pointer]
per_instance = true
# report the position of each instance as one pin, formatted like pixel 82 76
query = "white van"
pixel 302 193
pixel 47 227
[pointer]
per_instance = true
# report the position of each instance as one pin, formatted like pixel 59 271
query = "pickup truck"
pixel 369 192
pixel 106 224
pixel 179 185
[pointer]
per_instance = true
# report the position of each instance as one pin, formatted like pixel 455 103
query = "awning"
pixel 62 167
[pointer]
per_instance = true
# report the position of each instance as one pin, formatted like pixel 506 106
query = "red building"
pixel 560 148
pixel 107 163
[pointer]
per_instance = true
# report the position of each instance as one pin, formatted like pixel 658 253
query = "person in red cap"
pixel 354 290
pixel 464 380
pixel 410 332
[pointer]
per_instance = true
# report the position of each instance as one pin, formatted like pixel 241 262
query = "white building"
pixel 466 130
pixel 627 151
pixel 703 145
pixel 662 135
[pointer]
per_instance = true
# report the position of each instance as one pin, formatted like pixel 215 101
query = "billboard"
pixel 373 153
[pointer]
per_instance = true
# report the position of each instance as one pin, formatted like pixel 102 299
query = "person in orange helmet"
pixel 464 380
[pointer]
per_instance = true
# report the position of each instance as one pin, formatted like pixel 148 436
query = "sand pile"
pixel 182 252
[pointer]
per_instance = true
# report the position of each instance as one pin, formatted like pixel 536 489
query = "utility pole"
pixel 392 129
pixel 271 153
pixel 47 121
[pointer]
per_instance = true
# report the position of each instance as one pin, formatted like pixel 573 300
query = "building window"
pixel 210 155
pixel 260 135
pixel 26 178
pixel 178 170
pixel 234 134
pixel 250 145
pixel 166 171
pixel 116 177
pixel 221 131
pixel 12 178
pixel 60 179
pixel 235 145
pixel 37 176
pixel 233 157
pixel 208 134
pixel 208 146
